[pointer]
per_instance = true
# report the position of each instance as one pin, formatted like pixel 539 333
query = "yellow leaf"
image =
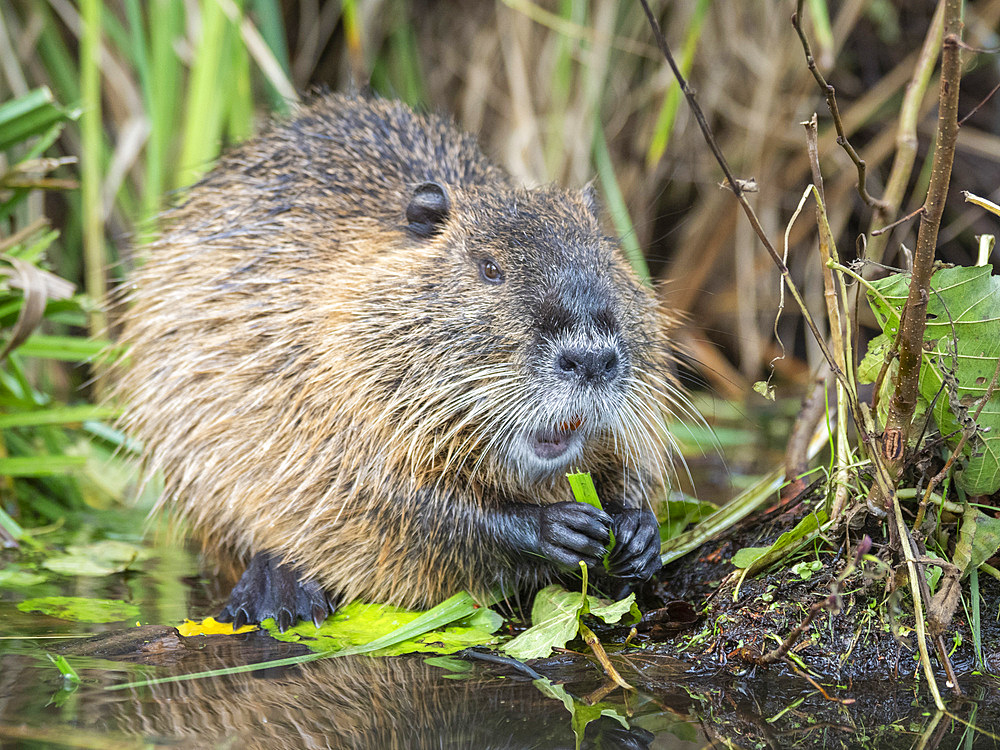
pixel 210 626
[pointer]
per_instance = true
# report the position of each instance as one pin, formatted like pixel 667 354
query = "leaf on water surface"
pixel 16 577
pixel 555 617
pixel 359 623
pixel 96 559
pixel 80 609
pixel 210 626
pixel 963 338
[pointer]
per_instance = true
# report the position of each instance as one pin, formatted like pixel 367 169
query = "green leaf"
pixel 978 540
pixel 612 612
pixel 97 559
pixel 584 492
pixel 677 513
pixel 30 115
pixel 756 559
pixel 80 609
pixel 583 489
pixel 556 617
pixel 382 630
pixel 16 577
pixel 962 337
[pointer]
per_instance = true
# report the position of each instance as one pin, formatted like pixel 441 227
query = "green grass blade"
pixel 91 153
pixel 617 208
pixel 32 114
pixel 272 28
pixel 58 415
pixel 40 466
pixel 671 103
pixel 64 348
pixel 206 103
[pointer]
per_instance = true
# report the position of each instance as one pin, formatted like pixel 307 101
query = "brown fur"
pixel 313 379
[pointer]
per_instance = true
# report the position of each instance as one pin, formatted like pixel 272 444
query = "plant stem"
pixel 914 319
pixel 906 134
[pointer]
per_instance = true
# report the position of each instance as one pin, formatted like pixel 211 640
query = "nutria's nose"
pixel 589 366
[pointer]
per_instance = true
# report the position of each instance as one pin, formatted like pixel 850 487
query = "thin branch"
pixel 831 102
pixel 897 222
pixel 978 106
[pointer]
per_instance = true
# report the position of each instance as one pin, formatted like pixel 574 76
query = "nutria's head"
pixel 522 344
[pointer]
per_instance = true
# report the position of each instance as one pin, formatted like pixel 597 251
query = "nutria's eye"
pixel 490 272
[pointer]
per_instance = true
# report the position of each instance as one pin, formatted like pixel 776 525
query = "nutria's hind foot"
pixel 636 555
pixel 269 589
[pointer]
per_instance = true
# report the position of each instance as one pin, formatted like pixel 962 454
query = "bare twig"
pixel 978 106
pixel 897 222
pixel 831 101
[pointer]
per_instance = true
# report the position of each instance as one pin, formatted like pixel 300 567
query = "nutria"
pixel 364 359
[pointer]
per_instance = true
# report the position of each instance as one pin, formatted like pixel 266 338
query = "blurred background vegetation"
pixel 129 101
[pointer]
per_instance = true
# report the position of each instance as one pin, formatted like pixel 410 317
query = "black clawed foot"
pixel 268 589
pixel 636 556
pixel 571 532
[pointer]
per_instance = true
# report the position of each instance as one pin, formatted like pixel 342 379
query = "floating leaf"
pixel 555 617
pixel 80 609
pixel 360 623
pixel 97 559
pixel 963 338
pixel 210 626
pixel 15 577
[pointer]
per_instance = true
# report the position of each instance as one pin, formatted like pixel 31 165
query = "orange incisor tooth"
pixel 571 425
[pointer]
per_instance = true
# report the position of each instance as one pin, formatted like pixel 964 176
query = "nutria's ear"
pixel 428 209
pixel 591 200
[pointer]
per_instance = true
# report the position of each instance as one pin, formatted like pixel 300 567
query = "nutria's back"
pixel 361 348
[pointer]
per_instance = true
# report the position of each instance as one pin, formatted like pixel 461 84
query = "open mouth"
pixel 552 443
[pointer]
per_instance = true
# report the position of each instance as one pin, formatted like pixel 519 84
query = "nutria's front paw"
pixel 636 555
pixel 268 589
pixel 570 532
